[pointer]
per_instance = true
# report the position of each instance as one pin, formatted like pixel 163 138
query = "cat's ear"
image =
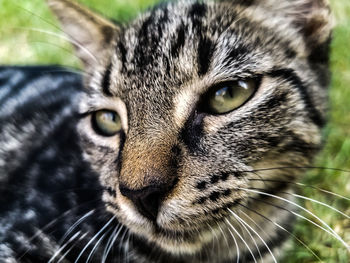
pixel 311 17
pixel 92 35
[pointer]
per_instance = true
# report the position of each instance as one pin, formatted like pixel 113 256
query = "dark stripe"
pixel 180 41
pixel 122 52
pixel 23 83
pixel 147 42
pixel 106 81
pixel 192 132
pixel 291 77
pixel 276 101
pixel 161 21
pixel 214 196
pixel 214 179
pixel 245 2
pixel 290 52
pixel 197 10
pixel 234 54
pixel 111 191
pixel 319 62
pixel 113 205
pixel 205 52
pixel 201 185
pixel 205 45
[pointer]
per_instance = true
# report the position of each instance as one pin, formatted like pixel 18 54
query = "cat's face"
pixel 186 101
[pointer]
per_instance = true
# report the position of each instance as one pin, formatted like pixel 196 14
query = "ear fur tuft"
pixel 91 34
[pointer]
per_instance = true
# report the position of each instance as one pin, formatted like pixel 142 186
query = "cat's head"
pixel 185 102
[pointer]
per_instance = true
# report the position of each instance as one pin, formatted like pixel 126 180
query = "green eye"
pixel 106 122
pixel 228 96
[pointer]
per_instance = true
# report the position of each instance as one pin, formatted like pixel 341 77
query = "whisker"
pixel 250 235
pixel 78 222
pixel 93 238
pixel 40 17
pixel 225 238
pixel 245 243
pixel 111 241
pixel 64 246
pixel 236 244
pixel 259 227
pixel 66 50
pixel 70 37
pixel 256 233
pixel 304 185
pixel 97 245
pixel 284 229
pixel 333 233
pixel 71 248
pixel 216 238
pixel 298 167
pixel 312 200
pixel 64 37
pixel 121 244
pixel 296 214
pixel 126 248
pixel 52 223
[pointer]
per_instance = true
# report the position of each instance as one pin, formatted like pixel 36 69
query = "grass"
pixel 20 44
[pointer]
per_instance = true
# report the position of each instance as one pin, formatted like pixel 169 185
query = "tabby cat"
pixel 178 148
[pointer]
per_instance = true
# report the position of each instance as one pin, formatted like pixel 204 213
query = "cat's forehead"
pixel 180 42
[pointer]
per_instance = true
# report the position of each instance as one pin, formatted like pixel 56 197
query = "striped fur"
pixel 154 72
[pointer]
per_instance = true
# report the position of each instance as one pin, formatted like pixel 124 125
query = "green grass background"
pixel 20 43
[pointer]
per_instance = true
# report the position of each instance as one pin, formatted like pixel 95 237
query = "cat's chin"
pixel 178 243
pixel 173 241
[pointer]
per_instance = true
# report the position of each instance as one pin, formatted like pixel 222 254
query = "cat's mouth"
pixel 174 241
pixel 172 238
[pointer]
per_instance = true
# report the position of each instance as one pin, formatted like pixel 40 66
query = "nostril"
pixel 149 204
pixel 146 200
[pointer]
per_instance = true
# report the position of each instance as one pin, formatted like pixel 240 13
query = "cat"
pixel 177 143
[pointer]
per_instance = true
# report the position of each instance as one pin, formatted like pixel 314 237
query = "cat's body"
pixel 179 161
pixel 42 172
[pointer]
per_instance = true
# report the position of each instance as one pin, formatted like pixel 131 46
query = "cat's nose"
pixel 147 200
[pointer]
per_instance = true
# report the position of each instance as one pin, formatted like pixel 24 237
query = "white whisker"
pixel 257 225
pixel 121 244
pixel 320 203
pixel 111 241
pixel 281 227
pixel 225 238
pixel 63 247
pixel 255 232
pixel 96 246
pixel 330 230
pixel 237 248
pixel 69 250
pixel 249 233
pixel 245 243
pixel 216 238
pixel 64 37
pixel 304 185
pixel 78 222
pixel 126 248
pixel 93 238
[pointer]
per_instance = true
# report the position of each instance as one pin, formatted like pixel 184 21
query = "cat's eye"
pixel 106 122
pixel 228 96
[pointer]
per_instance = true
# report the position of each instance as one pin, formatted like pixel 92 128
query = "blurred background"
pixel 30 35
